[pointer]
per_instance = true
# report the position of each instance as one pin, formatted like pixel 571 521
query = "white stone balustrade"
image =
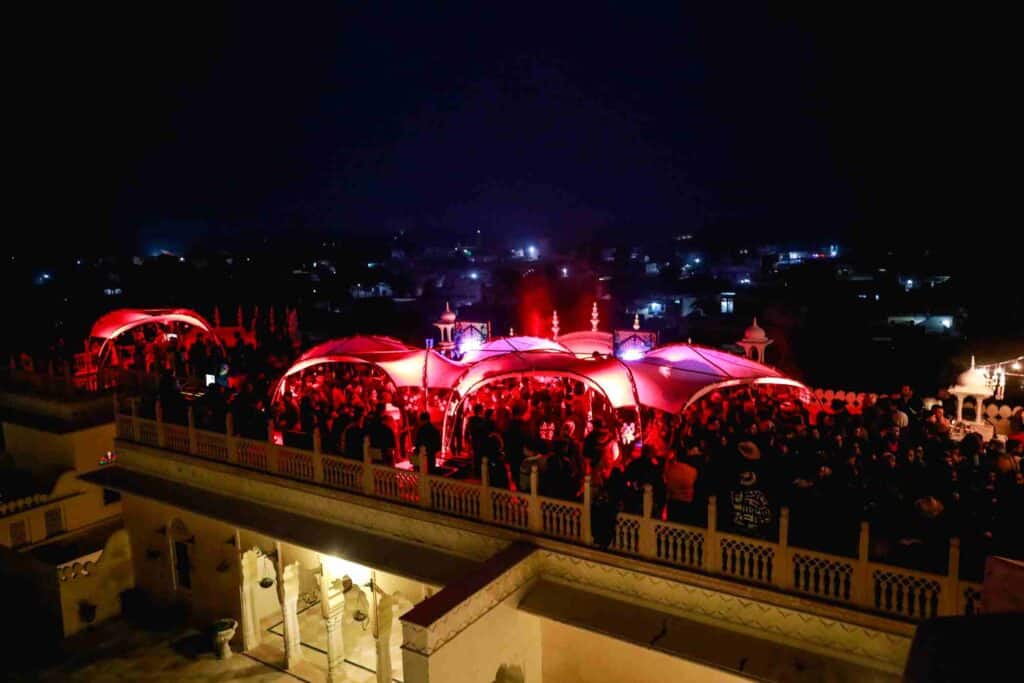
pixel 853 581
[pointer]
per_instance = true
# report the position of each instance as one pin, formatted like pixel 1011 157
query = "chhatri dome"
pixel 449 315
pixel 973 381
pixel 755 333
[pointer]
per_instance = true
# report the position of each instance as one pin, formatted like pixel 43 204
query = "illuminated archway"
pixel 610 378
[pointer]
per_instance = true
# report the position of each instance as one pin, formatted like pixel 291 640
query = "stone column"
pixel 335 648
pixel 249 561
pixel 288 595
pixel 332 624
pixel 383 619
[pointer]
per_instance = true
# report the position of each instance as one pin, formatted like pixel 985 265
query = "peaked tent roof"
pixel 671 377
pixel 503 345
pixel 421 368
pixel 358 344
pixel 585 343
pixel 405 368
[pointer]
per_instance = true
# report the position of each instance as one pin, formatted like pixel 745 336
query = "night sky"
pixel 229 120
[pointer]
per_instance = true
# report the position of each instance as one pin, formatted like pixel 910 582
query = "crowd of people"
pixel 889 460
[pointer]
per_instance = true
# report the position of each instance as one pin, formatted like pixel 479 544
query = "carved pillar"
pixel 384 615
pixel 335 647
pixel 332 624
pixel 249 561
pixel 288 595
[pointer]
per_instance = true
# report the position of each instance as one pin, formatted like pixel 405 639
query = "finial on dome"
pixel 449 315
pixel 594 318
pixel 636 321
pixel 554 325
pixel 511 331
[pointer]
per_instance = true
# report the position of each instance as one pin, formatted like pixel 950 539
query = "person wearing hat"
pixel 601 450
pixel 751 507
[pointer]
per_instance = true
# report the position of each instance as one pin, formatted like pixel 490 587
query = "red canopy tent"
pixel 404 365
pixel 115 323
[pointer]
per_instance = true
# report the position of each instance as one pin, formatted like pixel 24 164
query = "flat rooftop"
pixel 713 646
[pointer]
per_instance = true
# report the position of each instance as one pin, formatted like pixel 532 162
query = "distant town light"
pixel 696 259
pixel 181 259
pixel 531 250
pixel 744 280
pixel 565 272
pixel 947 323
pixel 473 275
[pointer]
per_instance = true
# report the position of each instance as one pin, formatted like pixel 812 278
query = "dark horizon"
pixel 228 122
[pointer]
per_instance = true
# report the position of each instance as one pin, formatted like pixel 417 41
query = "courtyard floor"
pixel 122 651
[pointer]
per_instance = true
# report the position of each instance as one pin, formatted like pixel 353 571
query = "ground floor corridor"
pixel 360 661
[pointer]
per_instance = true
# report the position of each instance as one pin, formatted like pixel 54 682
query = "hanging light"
pixel 267 580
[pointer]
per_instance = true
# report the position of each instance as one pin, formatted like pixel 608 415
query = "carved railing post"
pixel 588 536
pixel 272 449
pixel 782 571
pixel 193 444
pixel 318 461
pixel 423 479
pixel 486 511
pixel 949 606
pixel 133 409
pixel 161 439
pixel 647 546
pixel 367 468
pixel 862 590
pixel 712 549
pixel 229 438
pixel 536 523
